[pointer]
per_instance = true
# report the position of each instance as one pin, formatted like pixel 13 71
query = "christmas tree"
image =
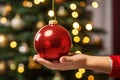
pixel 19 22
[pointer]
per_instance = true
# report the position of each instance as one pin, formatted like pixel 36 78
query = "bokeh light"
pixel 76 39
pixel 51 13
pixel 13 44
pixel 73 6
pixel 75 14
pixel 95 4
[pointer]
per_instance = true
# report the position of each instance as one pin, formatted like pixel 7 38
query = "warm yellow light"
pixel 74 14
pixel 40 24
pixel 82 70
pixel 78 75
pixel 95 4
pixel 12 66
pixel 82 4
pixel 75 32
pixel 21 68
pixel 75 25
pixel 3 20
pixel 8 8
pixel 89 27
pixel 73 6
pixel 13 44
pixel 36 1
pixel 51 13
pixel 27 4
pixel 78 52
pixel 76 39
pixel 2 65
pixel 2 38
pixel 86 40
pixel 91 77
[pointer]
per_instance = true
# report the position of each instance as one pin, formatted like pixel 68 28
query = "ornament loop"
pixel 53 22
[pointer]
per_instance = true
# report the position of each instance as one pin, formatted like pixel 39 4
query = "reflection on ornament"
pixel 62 12
pixel 23 48
pixel 2 66
pixel 6 9
pixel 32 64
pixel 3 40
pixel 17 23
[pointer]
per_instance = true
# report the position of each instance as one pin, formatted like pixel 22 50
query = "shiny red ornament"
pixel 52 41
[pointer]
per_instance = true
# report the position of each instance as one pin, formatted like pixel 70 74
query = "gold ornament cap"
pixel 53 22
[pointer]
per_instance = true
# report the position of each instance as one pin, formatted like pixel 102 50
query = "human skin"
pixel 96 63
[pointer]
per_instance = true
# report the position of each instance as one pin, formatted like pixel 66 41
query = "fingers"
pixel 48 64
pixel 65 59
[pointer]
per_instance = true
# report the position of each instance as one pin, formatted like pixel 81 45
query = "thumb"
pixel 65 59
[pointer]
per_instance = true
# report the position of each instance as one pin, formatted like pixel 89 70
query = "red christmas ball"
pixel 52 41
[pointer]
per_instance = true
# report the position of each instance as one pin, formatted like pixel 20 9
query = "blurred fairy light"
pixel 3 20
pixel 38 1
pixel 78 75
pixel 86 40
pixel 75 25
pixel 20 68
pixel 89 27
pixel 82 3
pixel 91 77
pixel 75 32
pixel 27 4
pixel 73 6
pixel 76 39
pixel 82 70
pixel 2 38
pixel 2 65
pixel 12 66
pixel 13 44
pixel 75 14
pixel 95 4
pixel 78 52
pixel 24 48
pixel 51 13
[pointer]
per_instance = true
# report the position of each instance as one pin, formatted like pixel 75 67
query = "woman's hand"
pixel 65 62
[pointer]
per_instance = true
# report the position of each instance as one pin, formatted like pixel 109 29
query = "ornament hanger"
pixel 53 9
